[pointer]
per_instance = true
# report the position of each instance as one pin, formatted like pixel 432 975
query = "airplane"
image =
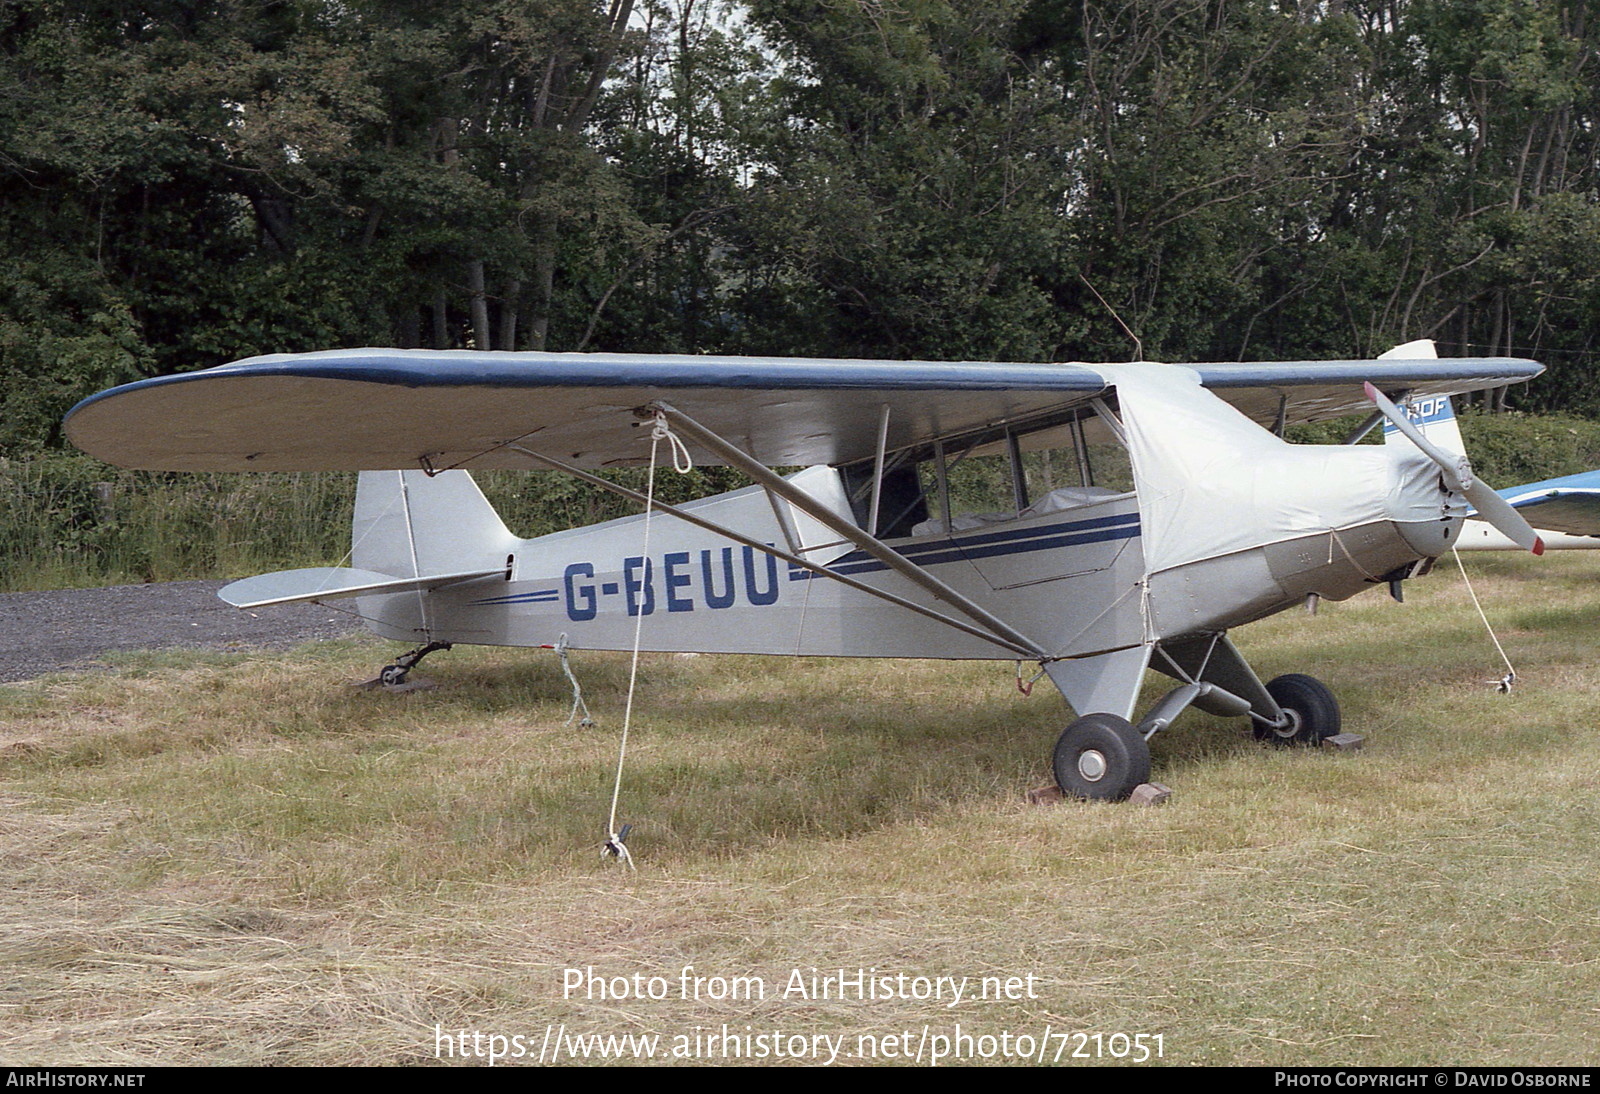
pixel 1100 520
pixel 1565 511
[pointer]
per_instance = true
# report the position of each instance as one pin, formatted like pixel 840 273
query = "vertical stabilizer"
pixel 412 525
pixel 1432 414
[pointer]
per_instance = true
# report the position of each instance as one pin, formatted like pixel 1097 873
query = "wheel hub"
pixel 1092 764
pixel 1291 724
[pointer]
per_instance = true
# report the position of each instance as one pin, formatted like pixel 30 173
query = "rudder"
pixel 410 524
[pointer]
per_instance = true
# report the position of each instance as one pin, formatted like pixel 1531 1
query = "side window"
pixel 1076 455
pixel 981 487
pixel 992 477
pixel 902 504
pixel 1051 469
pixel 1109 465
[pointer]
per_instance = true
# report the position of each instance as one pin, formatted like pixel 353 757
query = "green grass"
pixel 68 521
pixel 235 858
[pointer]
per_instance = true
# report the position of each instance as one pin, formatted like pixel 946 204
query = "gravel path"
pixel 69 628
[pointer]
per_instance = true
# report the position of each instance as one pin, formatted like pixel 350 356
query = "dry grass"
pixel 228 859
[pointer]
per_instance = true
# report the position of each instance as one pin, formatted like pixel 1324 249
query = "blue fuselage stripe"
pixel 994 544
pixel 1011 541
pixel 551 596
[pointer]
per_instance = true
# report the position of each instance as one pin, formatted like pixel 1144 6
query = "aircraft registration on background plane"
pixel 1564 511
pixel 1102 520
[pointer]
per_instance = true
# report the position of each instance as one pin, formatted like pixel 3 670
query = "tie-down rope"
pixel 616 844
pixel 1502 685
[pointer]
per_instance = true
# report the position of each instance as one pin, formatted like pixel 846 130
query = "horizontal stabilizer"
pixel 327 582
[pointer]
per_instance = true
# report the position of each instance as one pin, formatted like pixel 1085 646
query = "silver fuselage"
pixel 1073 580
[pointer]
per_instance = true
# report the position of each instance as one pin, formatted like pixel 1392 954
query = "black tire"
pixel 1101 757
pixel 1312 709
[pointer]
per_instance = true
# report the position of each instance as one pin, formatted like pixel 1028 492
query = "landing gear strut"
pixel 1311 713
pixel 394 676
pixel 1104 757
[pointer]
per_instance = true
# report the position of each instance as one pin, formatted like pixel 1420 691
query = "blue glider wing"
pixel 1570 504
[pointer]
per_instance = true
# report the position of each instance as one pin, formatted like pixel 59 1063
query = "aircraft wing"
pixel 372 409
pixel 1313 391
pixel 1570 504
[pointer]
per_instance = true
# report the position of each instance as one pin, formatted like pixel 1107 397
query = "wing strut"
pixel 873 546
pixel 877 471
pixel 1030 651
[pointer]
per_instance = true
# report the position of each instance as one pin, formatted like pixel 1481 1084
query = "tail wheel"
pixel 1313 712
pixel 1101 757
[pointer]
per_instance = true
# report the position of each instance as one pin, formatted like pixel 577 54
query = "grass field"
pixel 240 859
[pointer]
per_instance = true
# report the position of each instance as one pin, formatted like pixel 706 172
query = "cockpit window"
pixel 992 476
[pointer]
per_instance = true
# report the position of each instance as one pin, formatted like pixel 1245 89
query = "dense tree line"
pixel 187 182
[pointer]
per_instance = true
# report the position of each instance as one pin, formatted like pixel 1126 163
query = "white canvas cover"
pixel 1211 482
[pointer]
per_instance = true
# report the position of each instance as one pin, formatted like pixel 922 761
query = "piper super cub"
pixel 1102 520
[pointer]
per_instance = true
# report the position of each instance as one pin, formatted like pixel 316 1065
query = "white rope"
pixel 1502 685
pixel 1362 570
pixel 681 461
pixel 615 841
pixel 617 845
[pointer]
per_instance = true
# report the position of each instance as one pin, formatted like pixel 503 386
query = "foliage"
pixel 68 520
pixel 183 185
pixel 1506 449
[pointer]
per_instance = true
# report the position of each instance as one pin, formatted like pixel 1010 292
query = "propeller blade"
pixel 1457 467
pixel 1499 512
pixel 1490 505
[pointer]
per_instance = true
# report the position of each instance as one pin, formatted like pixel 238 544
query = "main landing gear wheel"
pixel 1313 711
pixel 1101 757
